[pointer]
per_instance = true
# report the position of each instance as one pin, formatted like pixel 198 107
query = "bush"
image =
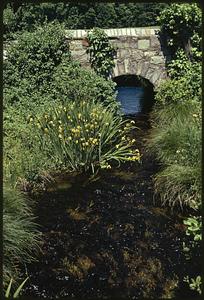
pixel 184 85
pixel 24 95
pixel 20 236
pixel 84 136
pixel 23 160
pixel 176 120
pixel 31 62
pixel 176 134
pixel 71 81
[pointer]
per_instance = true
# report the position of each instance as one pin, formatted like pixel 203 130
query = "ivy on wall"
pixel 101 52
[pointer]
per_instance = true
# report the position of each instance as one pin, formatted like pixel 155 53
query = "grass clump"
pixel 177 143
pixel 176 135
pixel 86 135
pixel 20 235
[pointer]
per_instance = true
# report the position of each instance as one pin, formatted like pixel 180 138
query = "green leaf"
pixel 8 289
pixel 17 292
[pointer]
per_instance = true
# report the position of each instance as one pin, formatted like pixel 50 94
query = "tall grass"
pixel 21 238
pixel 176 141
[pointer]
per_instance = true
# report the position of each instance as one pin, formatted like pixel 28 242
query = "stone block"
pixel 154 40
pixel 155 76
pixel 157 60
pixel 139 31
pixel 126 65
pixel 145 67
pixel 150 54
pixel 121 68
pixel 143 44
pixel 115 71
pixel 124 53
pixel 125 44
pixel 132 67
pixel 137 54
pixel 139 67
pixel 76 45
pixel 127 31
pixel 133 44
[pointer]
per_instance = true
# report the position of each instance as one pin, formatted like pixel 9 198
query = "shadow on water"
pixel 107 238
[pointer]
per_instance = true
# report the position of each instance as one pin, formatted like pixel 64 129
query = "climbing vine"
pixel 181 24
pixel 101 52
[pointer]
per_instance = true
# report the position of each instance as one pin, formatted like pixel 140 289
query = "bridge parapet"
pixel 117 32
pixel 139 52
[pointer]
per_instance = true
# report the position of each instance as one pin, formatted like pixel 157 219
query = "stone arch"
pixel 152 72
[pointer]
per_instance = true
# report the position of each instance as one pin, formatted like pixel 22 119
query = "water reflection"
pixel 131 99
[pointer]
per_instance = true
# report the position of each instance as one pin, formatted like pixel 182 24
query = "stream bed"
pixel 108 238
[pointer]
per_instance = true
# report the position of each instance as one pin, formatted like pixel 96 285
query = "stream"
pixel 109 238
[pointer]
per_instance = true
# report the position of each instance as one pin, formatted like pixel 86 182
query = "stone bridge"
pixel 139 52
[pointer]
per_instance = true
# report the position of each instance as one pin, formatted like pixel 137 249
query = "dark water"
pixel 131 99
pixel 107 238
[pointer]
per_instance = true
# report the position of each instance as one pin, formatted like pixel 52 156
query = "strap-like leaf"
pixel 19 289
pixel 8 289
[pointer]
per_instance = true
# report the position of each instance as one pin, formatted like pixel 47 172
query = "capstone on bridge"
pixel 139 52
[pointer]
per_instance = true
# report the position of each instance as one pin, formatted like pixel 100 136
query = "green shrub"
pixel 178 184
pixel 163 115
pixel 71 81
pixel 85 135
pixel 184 86
pixel 179 138
pixel 176 120
pixel 65 80
pixel 20 236
pixel 23 158
pixel 31 62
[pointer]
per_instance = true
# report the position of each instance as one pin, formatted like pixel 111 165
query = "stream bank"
pixel 108 238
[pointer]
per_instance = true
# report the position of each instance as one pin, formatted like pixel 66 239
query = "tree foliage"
pixel 181 24
pixel 81 15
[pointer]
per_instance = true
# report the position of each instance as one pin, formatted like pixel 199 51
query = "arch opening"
pixel 135 94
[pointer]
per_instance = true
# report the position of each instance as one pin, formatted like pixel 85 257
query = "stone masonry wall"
pixel 139 52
